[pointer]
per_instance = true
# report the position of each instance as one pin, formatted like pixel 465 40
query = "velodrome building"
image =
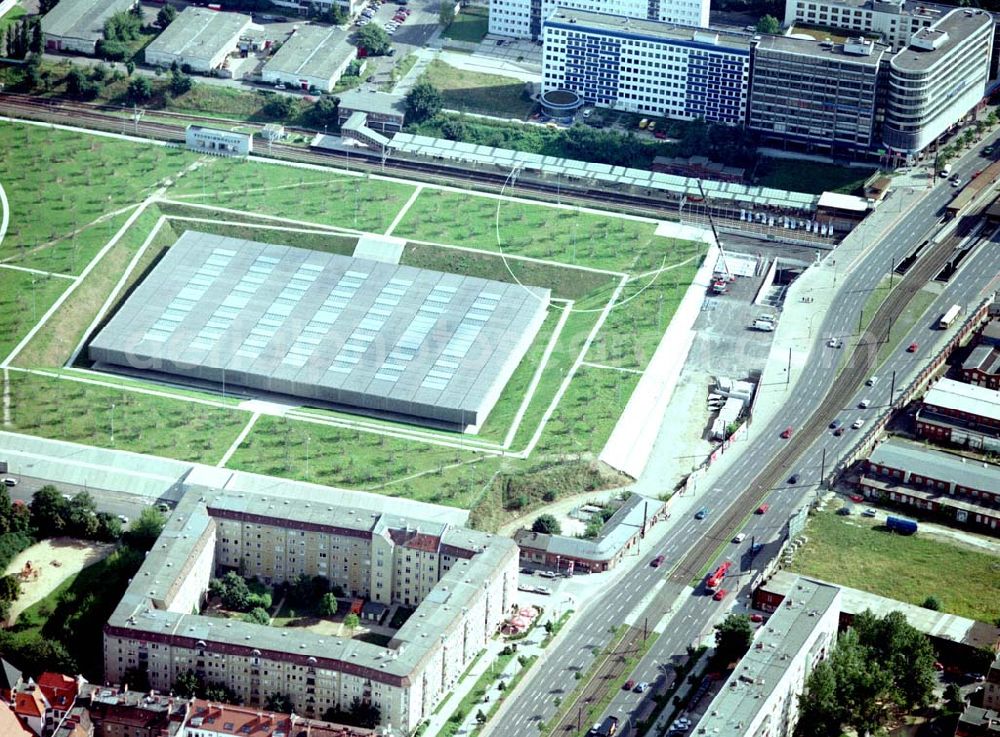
pixel 462 582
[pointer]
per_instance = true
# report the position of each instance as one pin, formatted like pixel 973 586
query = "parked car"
pixel 869 512
pixel 701 513
pixel 720 594
pixel 844 511
pixel 10 481
pixel 856 498
pixel 756 617
pixel 123 519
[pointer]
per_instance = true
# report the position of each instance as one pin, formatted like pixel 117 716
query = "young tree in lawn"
pixel 422 102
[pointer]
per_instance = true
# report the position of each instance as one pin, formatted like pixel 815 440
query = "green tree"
pixel 187 685
pixel 232 590
pixel 932 603
pixel 365 714
pixel 325 112
pixel 352 620
pixel 123 27
pixel 75 81
pixel 220 692
pixel 44 6
pixel 180 83
pixel 769 24
pixel 166 16
pixel 546 523
pixel 6 511
pixel 423 101
pixel 327 605
pixel 112 50
pixel 148 527
pixel 49 511
pixel 954 702
pixel 81 516
pixel 35 47
pixel 733 637
pixel 279 702
pixel 820 713
pixel 280 107
pixel 10 588
pixel 257 615
pixel 446 13
pixel 481 716
pixel 373 39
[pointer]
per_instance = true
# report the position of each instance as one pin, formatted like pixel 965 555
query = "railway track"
pixel 613 669
pixel 115 119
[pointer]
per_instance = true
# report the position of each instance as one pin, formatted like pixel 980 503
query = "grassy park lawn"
pixel 852 551
pixel 24 298
pixel 82 413
pixel 475 92
pixel 811 176
pixel 472 24
pixel 325 197
pixel 74 180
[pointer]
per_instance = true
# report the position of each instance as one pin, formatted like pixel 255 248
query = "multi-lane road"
pixel 695 613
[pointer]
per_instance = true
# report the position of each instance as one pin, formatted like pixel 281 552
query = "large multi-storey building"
pixel 822 94
pixel 762 694
pixel 894 20
pixel 525 18
pixel 646 66
pixel 462 583
pixel 936 80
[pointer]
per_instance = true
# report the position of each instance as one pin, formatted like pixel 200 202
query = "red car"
pixel 756 617
pixel 720 594
pixel 762 509
pixel 976 173
pixel 629 684
pixel 839 431
pixel 911 348
pixel 657 561
pixel 856 498
pixel 787 432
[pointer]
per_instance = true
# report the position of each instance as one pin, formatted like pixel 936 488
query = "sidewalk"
pixel 408 80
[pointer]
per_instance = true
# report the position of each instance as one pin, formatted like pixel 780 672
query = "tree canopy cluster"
pixel 423 101
pixel 373 39
pixel 236 594
pixel 53 515
pixel 878 668
pixel 546 523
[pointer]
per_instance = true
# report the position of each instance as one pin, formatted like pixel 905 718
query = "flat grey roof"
pixel 82 18
pixel 312 51
pixel 578 20
pixel 958 25
pixel 977 401
pixel 762 669
pixel 199 33
pixel 820 49
pixel 355 332
pixel 937 464
pixel 379 103
pixel 985 358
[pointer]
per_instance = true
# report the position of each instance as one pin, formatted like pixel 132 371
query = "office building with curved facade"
pixel 937 79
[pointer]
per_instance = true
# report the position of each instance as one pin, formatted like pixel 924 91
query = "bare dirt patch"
pixel 52 562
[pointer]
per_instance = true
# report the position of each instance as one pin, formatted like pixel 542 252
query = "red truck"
pixel 715 578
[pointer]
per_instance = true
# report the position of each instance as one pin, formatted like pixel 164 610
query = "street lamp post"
pixel 112 423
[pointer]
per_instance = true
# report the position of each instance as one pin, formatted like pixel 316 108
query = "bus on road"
pixel 949 317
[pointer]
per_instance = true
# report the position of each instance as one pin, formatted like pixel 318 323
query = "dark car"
pixel 912 348
pixel 629 684
pixel 839 431
pixel 793 479
pixel 701 513
pixel 835 424
pixel 657 561
pixel 787 432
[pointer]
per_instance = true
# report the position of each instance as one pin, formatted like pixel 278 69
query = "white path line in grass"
pixel 306 165
pixel 530 393
pixel 239 440
pixel 404 479
pixel 67 376
pixel 38 271
pixel 255 190
pixel 117 289
pixel 244 224
pixel 404 209
pixel 273 218
pixel 515 257
pixel 6 397
pixel 612 368
pixel 83 275
pixel 96 221
pixel 5 218
pixel 572 372
pixel 665 268
pixel 86 131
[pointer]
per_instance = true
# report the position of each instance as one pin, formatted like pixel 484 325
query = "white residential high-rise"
pixel 524 18
pixel 645 66
pixel 937 80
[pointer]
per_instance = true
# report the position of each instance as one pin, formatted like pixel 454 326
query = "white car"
pixel 872 381
pixel 123 519
pixel 865 403
pixel 9 481
pixel 858 423
pixel 740 538
pixel 834 343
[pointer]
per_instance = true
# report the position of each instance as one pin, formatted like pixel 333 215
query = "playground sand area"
pixel 45 565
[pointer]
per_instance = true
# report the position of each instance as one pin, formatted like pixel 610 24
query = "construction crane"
pixel 718 285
